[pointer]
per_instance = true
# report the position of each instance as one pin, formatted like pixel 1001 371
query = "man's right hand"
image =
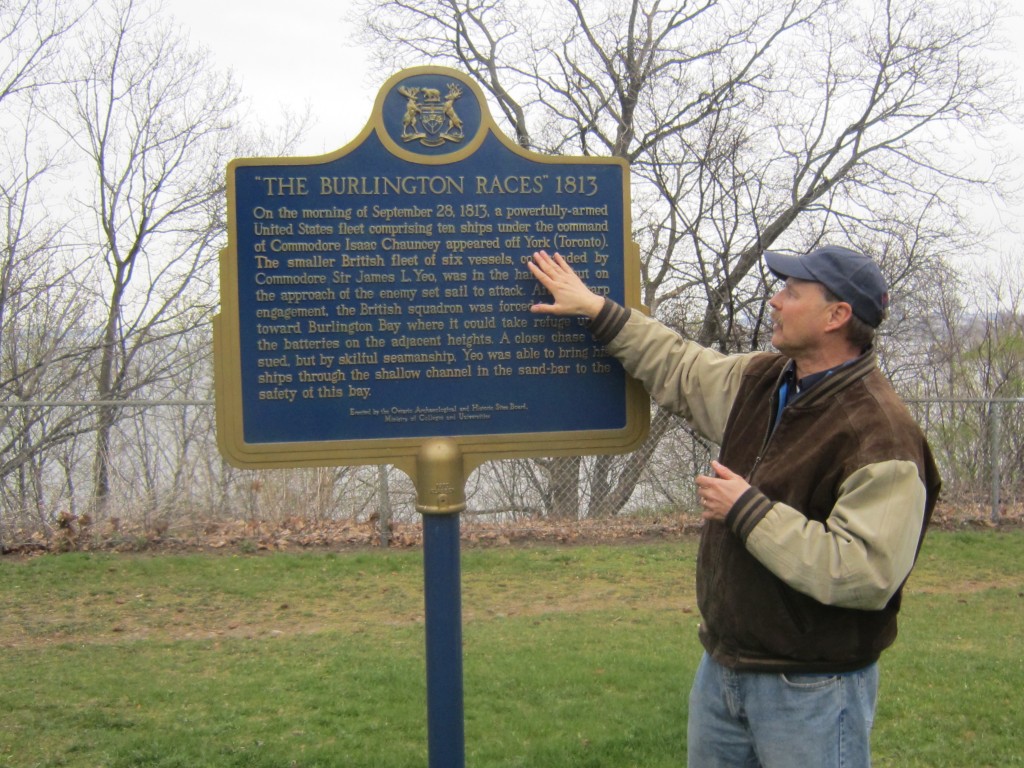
pixel 571 295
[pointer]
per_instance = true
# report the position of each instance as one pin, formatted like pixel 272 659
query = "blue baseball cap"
pixel 852 276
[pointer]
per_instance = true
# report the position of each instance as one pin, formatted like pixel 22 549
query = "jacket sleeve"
pixel 687 379
pixel 857 558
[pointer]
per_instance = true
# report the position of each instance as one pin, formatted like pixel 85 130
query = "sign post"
pixel 441 500
pixel 376 309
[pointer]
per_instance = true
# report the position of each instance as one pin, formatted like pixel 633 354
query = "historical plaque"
pixel 378 296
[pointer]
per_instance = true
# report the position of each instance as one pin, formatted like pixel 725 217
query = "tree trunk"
pixel 564 484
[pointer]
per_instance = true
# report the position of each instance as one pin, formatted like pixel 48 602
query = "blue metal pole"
pixel 443 614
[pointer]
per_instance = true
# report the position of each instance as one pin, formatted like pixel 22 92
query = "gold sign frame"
pixel 406 452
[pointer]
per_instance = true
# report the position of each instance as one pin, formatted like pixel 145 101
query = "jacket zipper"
pixel 769 431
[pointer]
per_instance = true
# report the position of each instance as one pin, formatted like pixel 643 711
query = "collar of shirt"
pixel 794 387
pixel 809 381
pixel 790 388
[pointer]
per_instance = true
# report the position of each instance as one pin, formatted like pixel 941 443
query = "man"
pixel 814 512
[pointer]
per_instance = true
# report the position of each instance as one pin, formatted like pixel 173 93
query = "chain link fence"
pixel 167 479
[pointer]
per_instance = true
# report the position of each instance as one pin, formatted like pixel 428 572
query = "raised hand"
pixel 571 295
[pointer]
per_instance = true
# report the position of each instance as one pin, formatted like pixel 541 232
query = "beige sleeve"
pixel 696 383
pixel 860 556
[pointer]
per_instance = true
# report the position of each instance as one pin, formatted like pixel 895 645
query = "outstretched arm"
pixel 571 296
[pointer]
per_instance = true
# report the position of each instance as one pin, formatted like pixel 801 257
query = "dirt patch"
pixel 297 533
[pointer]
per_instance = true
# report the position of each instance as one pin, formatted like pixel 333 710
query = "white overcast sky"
pixel 289 53
pixel 294 53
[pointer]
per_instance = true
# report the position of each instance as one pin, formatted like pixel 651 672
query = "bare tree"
pixel 990 364
pixel 31 32
pixel 747 125
pixel 114 137
pixel 43 347
pixel 152 116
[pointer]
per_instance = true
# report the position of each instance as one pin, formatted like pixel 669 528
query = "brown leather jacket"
pixel 807 572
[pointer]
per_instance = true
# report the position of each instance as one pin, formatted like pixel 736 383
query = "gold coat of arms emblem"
pixel 429 118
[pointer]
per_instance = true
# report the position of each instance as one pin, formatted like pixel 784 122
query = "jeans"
pixel 764 720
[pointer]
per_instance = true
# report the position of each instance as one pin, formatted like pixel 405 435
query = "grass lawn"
pixel 576 656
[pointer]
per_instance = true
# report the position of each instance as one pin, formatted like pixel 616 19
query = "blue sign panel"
pixel 382 292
